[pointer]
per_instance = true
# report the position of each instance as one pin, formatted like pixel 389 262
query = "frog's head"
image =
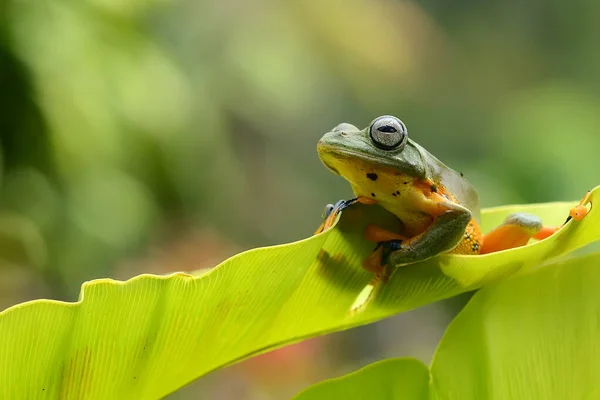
pixel 383 144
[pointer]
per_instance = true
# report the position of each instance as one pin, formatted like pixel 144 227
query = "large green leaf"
pixel 533 336
pixel 393 379
pixel 152 334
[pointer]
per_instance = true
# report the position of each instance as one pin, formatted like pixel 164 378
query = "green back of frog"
pixel 453 181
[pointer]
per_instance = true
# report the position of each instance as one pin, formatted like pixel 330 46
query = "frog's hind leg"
pixel 515 231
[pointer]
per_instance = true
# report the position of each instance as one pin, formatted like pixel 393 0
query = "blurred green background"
pixel 166 135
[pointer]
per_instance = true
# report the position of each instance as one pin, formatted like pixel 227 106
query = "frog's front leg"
pixel 444 234
pixel 332 210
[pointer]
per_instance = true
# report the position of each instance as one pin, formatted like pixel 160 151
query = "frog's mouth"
pixel 332 169
pixel 334 157
pixel 347 163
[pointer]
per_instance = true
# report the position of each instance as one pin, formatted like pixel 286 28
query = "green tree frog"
pixel 437 208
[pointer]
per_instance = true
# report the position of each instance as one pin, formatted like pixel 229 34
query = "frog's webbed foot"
pixel 330 213
pixel 577 213
pixel 580 210
pixel 378 261
pixel 332 210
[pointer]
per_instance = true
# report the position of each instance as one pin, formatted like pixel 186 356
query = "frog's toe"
pixel 327 211
pixel 330 213
pixel 389 247
pixel 578 212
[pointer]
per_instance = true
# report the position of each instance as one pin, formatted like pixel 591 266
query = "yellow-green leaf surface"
pixel 393 379
pixel 147 337
pixel 533 336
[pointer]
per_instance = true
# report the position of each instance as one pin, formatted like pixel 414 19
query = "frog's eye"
pixel 388 133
